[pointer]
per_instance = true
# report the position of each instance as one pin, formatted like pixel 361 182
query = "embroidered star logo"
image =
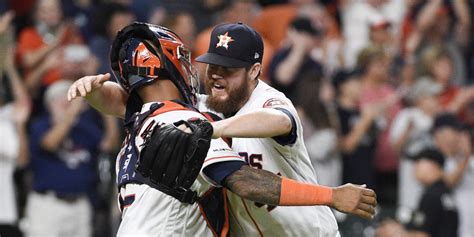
pixel 224 40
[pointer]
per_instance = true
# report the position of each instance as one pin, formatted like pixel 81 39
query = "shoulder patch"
pixel 274 102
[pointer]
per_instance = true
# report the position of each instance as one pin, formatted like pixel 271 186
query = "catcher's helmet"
pixel 142 53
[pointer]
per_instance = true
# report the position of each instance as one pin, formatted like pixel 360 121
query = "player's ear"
pixel 255 70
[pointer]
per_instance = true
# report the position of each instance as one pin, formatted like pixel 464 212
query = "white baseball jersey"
pixel 149 212
pixel 288 160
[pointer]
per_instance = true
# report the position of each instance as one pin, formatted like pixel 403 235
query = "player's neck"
pixel 160 90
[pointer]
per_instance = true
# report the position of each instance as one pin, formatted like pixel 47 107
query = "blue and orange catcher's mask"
pixel 142 53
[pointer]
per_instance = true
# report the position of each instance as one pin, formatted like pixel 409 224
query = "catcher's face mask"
pixel 142 53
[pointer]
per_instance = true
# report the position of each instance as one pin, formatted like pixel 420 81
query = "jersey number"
pixel 253 159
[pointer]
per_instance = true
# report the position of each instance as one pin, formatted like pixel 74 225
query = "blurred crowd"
pixel 384 88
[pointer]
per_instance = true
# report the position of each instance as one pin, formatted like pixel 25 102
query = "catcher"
pixel 169 143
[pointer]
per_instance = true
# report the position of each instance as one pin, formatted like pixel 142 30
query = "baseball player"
pixel 234 64
pixel 164 213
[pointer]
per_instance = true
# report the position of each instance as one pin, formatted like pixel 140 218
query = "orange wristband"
pixel 294 193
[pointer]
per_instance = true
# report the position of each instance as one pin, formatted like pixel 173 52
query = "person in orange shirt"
pixel 39 46
pixel 39 52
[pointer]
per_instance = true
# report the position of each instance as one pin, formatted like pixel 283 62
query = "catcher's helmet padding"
pixel 142 53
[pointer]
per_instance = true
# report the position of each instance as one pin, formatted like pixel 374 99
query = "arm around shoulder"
pixel 265 122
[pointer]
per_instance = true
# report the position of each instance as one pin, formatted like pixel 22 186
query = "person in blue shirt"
pixel 295 59
pixel 64 145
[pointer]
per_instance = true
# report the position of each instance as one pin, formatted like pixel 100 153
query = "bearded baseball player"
pixel 161 194
pixel 234 62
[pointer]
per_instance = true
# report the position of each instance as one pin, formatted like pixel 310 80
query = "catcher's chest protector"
pixel 129 154
pixel 213 204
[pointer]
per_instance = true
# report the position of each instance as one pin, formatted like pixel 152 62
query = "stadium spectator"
pixel 80 12
pixel 358 132
pixel 330 52
pixel 356 140
pixel 374 62
pixel 108 19
pixel 434 27
pixel 64 144
pixel 182 23
pixel 295 59
pixel 157 16
pixel 356 19
pixel 40 48
pixel 75 61
pixel 144 9
pixel 463 163
pixel 409 134
pixel 14 113
pixel 455 144
pixel 47 35
pixel 78 61
pixel 320 128
pixel 436 215
pixel 438 64
pixel 380 35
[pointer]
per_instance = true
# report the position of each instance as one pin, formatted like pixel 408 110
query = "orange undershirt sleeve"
pixel 294 193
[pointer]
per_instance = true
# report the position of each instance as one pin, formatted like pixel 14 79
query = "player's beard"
pixel 235 100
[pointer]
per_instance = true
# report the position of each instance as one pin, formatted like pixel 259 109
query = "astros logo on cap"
pixel 224 40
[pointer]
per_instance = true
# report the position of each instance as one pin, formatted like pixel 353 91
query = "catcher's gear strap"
pixel 215 210
pixel 145 71
pixel 127 160
pixel 163 107
pixel 171 106
pixel 134 105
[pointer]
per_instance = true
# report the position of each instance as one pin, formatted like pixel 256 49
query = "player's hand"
pixel 355 199
pixel 86 85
